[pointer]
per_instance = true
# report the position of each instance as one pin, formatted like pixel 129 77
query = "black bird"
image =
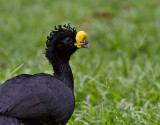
pixel 43 99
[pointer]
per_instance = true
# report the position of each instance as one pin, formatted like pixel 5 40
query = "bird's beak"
pixel 81 40
pixel 85 45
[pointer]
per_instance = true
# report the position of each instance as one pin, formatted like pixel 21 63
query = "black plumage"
pixel 43 99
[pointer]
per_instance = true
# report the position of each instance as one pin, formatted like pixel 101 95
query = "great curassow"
pixel 43 99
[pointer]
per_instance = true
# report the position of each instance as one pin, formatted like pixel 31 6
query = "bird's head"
pixel 65 40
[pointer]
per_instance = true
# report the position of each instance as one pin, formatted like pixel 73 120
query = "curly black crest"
pixel 60 41
pixel 62 28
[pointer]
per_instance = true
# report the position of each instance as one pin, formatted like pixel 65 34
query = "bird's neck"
pixel 62 70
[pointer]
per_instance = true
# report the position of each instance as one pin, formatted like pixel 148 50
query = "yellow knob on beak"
pixel 80 40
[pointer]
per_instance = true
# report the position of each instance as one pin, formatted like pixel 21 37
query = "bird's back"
pixel 39 96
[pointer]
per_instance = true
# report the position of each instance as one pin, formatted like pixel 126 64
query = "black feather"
pixel 42 98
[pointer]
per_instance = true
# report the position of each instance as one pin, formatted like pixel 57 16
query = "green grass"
pixel 117 81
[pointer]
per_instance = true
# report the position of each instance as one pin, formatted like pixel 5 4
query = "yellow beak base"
pixel 80 40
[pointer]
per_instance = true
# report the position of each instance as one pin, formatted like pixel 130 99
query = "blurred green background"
pixel 117 81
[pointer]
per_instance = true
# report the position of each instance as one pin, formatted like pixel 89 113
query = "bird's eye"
pixel 66 41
